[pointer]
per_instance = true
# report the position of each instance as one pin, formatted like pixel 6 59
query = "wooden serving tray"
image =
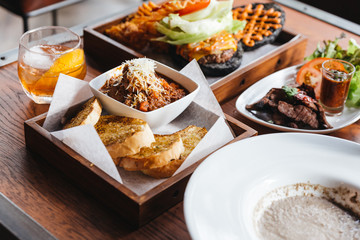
pixel 136 209
pixel 290 50
pixel 105 54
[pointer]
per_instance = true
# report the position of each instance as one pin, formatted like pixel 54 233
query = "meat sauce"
pixel 138 86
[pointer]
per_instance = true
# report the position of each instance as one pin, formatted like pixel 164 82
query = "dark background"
pixel 348 9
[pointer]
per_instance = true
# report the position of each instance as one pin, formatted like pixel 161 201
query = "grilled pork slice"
pixel 297 110
pixel 89 114
pixel 299 113
pixel 161 152
pixel 123 136
pixel 190 136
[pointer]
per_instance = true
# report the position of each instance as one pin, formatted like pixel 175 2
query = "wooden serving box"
pixel 136 209
pixel 289 49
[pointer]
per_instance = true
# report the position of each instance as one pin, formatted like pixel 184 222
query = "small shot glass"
pixel 336 77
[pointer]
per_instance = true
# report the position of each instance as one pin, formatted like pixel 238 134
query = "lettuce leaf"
pixel 353 47
pixel 178 37
pixel 353 99
pixel 215 8
pixel 331 49
pixel 200 25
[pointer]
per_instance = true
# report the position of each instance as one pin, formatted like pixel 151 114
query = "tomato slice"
pixel 310 74
pixel 193 7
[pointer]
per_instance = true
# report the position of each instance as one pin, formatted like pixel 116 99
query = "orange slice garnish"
pixel 71 64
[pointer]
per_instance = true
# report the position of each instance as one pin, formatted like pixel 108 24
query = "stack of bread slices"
pixel 133 146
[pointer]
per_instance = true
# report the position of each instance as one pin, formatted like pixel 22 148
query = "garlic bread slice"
pixel 161 152
pixel 190 136
pixel 89 114
pixel 123 136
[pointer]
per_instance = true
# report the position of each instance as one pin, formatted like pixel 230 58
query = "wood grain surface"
pixel 66 211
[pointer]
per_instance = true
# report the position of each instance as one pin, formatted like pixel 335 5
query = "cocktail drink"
pixel 44 53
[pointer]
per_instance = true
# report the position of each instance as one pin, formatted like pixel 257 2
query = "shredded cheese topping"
pixel 141 77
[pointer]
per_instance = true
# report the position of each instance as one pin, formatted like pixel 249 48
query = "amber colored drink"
pixel 44 54
pixel 41 81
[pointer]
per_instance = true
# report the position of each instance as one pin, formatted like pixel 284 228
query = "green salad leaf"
pixel 353 99
pixel 331 49
pixel 200 25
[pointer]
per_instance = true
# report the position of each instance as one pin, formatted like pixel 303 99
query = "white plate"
pixel 223 191
pixel 276 80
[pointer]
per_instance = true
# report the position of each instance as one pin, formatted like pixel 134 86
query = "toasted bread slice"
pixel 161 152
pixel 190 136
pixel 89 114
pixel 123 136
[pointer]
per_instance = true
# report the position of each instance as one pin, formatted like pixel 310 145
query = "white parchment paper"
pixel 83 140
pixel 204 111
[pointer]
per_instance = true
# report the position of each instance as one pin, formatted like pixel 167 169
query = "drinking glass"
pixel 44 53
pixel 336 77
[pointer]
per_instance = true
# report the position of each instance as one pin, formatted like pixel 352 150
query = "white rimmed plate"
pixel 223 191
pixel 277 80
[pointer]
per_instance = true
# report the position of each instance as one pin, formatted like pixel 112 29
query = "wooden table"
pixel 63 209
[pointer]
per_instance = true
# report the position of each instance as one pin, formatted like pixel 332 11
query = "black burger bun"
pixel 214 69
pixel 275 31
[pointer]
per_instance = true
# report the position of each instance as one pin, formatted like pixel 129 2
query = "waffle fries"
pixel 138 28
pixel 264 22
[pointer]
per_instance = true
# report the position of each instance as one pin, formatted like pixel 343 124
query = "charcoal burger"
pixel 217 55
pixel 203 31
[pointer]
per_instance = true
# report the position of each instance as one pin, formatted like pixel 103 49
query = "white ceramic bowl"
pixel 155 118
